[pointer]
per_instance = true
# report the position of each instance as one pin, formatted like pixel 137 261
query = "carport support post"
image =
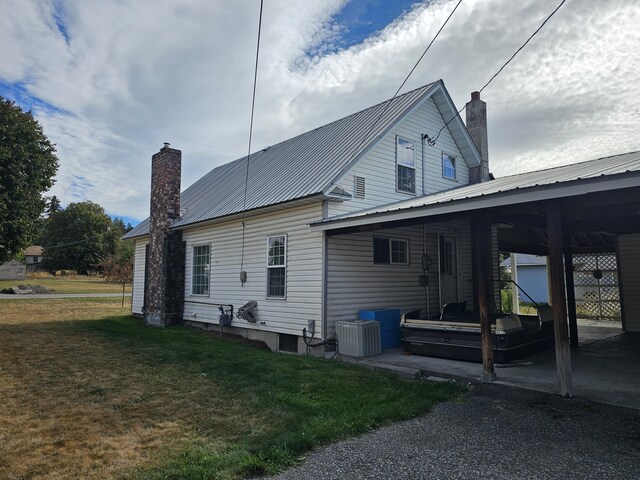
pixel 571 294
pixel 559 303
pixel 481 240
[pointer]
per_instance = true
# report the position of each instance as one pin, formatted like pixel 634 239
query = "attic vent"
pixel 358 187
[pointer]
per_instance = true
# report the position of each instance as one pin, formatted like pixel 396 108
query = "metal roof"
pixel 525 259
pixel 300 167
pixel 527 186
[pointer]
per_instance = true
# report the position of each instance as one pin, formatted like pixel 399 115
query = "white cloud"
pixel 135 74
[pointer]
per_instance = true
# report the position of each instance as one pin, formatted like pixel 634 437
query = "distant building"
pixel 12 270
pixel 33 258
pixel 532 277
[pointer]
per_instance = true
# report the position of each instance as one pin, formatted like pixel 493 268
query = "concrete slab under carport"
pixel 606 367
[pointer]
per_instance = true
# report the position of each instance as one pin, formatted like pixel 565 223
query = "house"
pixel 532 277
pixel 33 257
pixel 205 248
pixel 376 210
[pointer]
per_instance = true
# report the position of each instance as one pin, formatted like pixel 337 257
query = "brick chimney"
pixel 477 127
pixel 165 259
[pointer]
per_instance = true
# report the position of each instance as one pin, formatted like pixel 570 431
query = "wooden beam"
pixel 483 282
pixel 559 302
pixel 571 293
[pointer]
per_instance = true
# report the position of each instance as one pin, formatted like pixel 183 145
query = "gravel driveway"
pixel 499 433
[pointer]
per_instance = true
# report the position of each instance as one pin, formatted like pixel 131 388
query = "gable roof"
pixel 306 165
pixel 33 250
pixel 607 173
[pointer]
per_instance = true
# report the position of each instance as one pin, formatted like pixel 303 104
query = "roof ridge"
pixel 565 165
pixel 253 155
pixel 244 157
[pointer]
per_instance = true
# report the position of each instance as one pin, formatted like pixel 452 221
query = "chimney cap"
pixel 166 144
pixel 475 95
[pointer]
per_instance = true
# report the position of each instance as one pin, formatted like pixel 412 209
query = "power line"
pixel 433 141
pixel 253 104
pixel 388 103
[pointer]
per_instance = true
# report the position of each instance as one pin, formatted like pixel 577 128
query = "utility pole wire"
pixel 388 102
pixel 253 104
pixel 433 141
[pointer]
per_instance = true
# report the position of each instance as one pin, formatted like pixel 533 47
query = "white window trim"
pixel 412 167
pixel 394 239
pixel 286 267
pixel 455 166
pixel 191 284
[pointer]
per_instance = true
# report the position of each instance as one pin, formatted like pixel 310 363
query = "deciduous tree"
pixel 27 166
pixel 79 237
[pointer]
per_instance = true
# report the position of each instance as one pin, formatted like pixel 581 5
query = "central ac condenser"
pixel 359 338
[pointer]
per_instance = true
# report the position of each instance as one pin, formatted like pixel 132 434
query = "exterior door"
pixel 449 270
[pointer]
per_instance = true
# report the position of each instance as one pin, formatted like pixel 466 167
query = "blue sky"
pixel 109 84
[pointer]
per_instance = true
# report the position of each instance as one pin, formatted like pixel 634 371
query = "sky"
pixel 110 81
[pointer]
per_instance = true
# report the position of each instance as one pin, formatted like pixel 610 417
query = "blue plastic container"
pixel 389 325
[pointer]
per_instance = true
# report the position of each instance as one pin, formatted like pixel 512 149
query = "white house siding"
pixel 378 166
pixel 137 295
pixel 304 270
pixel 356 283
pixel 629 264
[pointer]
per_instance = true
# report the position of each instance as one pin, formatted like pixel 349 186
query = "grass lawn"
pixel 87 391
pixel 73 284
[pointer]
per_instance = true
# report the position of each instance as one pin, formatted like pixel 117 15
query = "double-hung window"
pixel 448 166
pixel 405 165
pixel 276 266
pixel 200 266
pixel 390 251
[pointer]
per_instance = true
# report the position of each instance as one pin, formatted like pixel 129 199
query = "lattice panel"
pixel 596 286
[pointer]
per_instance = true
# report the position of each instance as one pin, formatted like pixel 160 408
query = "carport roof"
pixel 602 174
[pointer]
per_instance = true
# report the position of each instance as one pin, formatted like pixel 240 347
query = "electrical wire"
pixel 253 104
pixel 73 243
pixel 433 141
pixel 388 103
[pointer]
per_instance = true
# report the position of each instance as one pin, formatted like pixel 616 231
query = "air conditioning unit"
pixel 359 338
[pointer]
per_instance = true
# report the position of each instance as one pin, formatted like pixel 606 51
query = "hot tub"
pixel 513 336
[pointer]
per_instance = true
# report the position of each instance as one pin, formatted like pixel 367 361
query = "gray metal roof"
pixel 529 186
pixel 525 259
pixel 300 167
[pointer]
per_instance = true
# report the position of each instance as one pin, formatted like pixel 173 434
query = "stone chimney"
pixel 477 127
pixel 165 259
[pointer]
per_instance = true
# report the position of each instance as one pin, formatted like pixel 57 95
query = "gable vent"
pixel 358 187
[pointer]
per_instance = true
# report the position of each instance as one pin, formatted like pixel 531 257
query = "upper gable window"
pixel 448 166
pixel 405 165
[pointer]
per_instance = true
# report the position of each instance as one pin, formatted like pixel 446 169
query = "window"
pixel 276 266
pixel 448 166
pixel 200 270
pixel 390 251
pixel 406 165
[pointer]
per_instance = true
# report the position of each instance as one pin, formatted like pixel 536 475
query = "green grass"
pixel 307 401
pixel 131 401
pixel 74 284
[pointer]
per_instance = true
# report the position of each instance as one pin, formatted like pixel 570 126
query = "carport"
pixel 588 207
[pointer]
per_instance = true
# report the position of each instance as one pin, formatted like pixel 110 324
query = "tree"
pixel 118 268
pixel 27 166
pixel 53 205
pixel 79 237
